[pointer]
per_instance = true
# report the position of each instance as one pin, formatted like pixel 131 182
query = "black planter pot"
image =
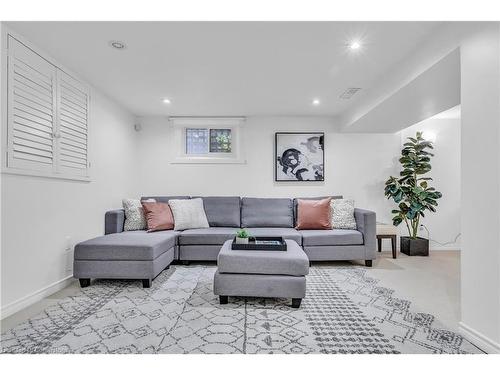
pixel 414 246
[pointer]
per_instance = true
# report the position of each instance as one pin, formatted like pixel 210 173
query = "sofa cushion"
pixel 206 236
pixel 165 199
pixel 333 237
pixel 266 212
pixel 222 211
pixel 132 245
pixel 287 233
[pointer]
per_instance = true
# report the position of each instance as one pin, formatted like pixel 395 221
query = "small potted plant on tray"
pixel 242 236
pixel 412 193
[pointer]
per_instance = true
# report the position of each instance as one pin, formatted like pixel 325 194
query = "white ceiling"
pixel 435 90
pixel 229 68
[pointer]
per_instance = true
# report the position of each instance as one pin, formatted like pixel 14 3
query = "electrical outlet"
pixel 68 244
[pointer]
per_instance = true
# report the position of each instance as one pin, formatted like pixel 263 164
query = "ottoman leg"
pixel 146 283
pixel 368 263
pixel 223 300
pixel 84 282
pixel 296 302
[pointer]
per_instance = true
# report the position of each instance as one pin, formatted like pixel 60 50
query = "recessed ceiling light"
pixel 117 44
pixel 316 102
pixel 166 101
pixel 355 45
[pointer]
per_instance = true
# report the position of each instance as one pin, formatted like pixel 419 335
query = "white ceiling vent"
pixel 347 94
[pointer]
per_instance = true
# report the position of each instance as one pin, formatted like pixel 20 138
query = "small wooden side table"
pixel 387 231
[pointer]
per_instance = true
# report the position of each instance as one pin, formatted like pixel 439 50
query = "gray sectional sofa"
pixel 142 255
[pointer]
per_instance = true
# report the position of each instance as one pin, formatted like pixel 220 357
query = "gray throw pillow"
pixel 343 214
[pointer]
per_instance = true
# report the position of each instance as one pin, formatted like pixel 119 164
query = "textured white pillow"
pixel 134 214
pixel 343 214
pixel 188 213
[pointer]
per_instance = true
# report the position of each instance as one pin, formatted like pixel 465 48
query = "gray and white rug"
pixel 345 311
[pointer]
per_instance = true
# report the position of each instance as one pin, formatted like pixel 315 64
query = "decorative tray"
pixel 261 243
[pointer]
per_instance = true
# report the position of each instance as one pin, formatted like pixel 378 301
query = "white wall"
pixel 39 213
pixel 444 225
pixel 480 260
pixel 357 165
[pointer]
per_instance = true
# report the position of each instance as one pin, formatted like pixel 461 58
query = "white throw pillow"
pixel 343 214
pixel 134 214
pixel 188 213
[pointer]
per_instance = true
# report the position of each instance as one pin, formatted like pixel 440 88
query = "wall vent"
pixel 348 94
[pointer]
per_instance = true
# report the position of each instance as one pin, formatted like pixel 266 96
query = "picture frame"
pixel 299 156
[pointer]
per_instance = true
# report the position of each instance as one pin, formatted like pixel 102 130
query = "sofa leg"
pixel 223 300
pixel 368 263
pixel 296 302
pixel 84 282
pixel 185 262
pixel 146 283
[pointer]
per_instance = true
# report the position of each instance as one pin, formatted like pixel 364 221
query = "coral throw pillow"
pixel 313 214
pixel 158 216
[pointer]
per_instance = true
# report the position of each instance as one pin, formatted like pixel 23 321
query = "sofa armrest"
pixel 114 221
pixel 366 222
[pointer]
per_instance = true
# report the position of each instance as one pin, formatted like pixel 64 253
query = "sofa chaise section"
pixel 125 255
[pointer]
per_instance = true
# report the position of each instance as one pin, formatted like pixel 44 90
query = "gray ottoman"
pixel 249 273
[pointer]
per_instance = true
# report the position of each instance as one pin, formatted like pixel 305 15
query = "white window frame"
pixel 4 120
pixel 235 124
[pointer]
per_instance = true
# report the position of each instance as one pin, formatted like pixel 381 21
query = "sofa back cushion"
pixel 165 199
pixel 266 212
pixel 222 211
pixel 310 198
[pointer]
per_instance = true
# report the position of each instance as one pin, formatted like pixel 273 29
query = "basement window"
pixel 208 140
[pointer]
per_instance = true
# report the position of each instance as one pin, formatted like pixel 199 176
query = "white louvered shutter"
pixel 31 110
pixel 72 126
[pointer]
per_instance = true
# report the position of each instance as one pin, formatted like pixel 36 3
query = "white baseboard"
pixel 478 339
pixel 32 298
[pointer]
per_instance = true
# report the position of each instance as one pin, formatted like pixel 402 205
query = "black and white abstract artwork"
pixel 299 157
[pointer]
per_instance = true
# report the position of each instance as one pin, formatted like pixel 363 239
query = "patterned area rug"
pixel 345 311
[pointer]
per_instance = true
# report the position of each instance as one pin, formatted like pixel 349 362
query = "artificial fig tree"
pixel 411 190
